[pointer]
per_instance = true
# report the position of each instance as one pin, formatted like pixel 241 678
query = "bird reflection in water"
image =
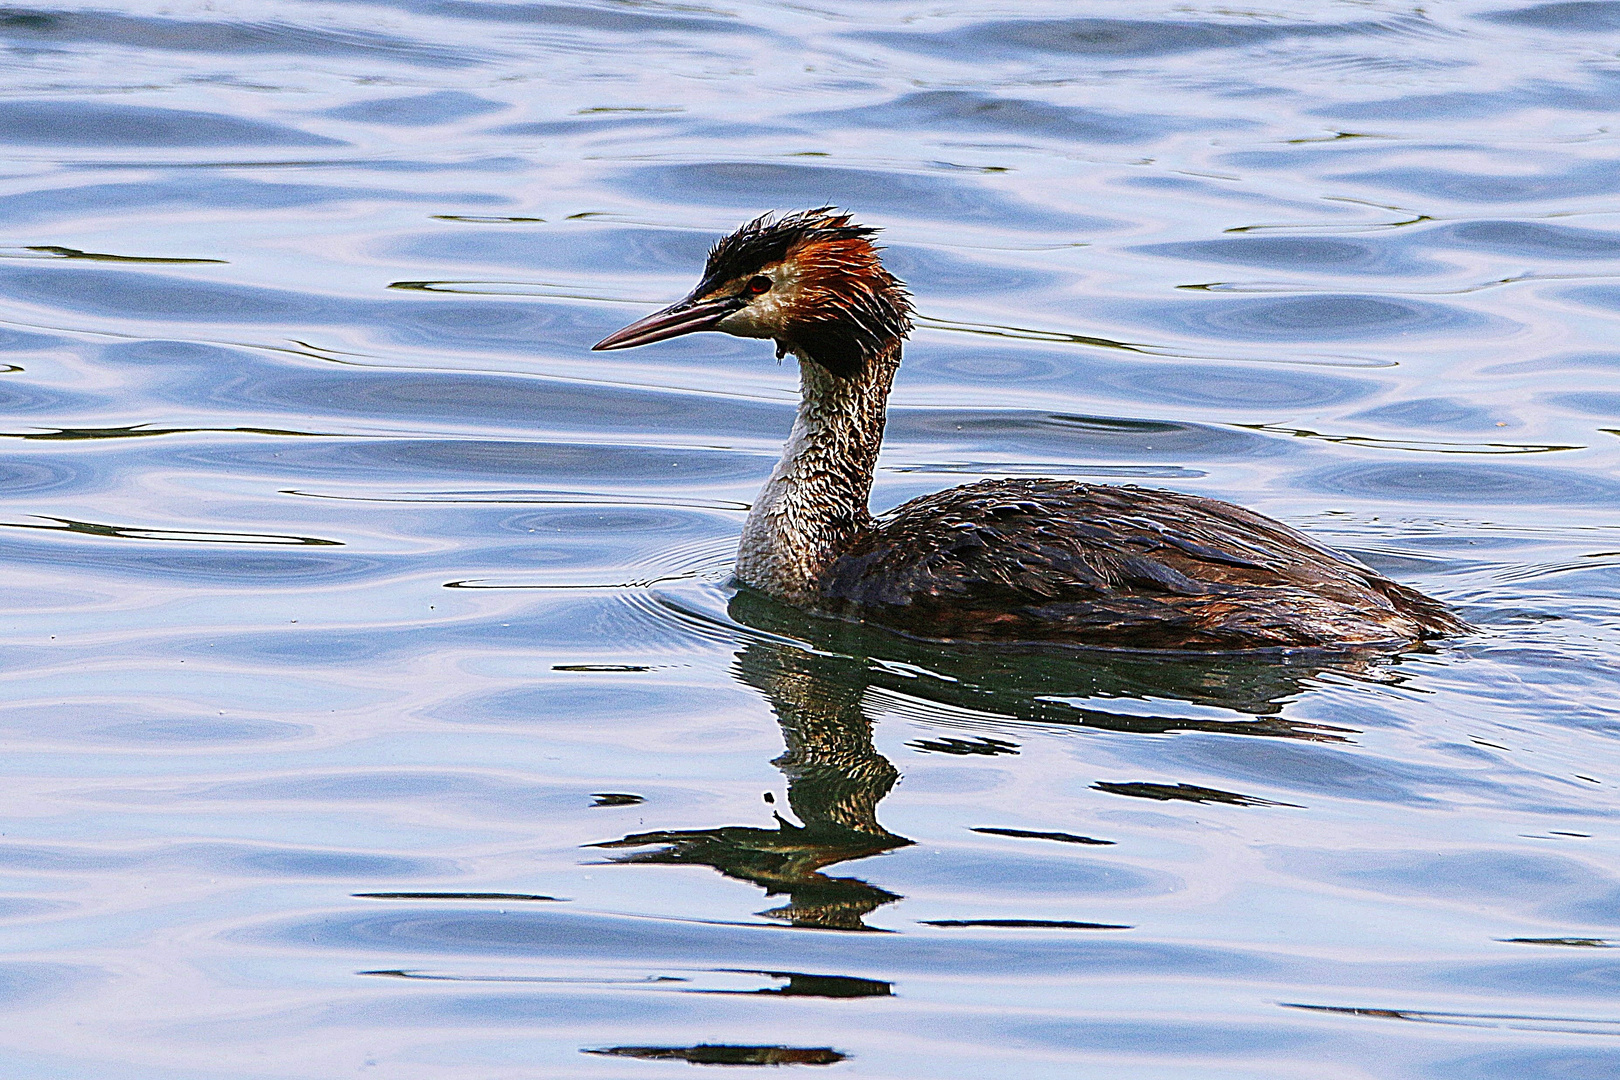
pixel 823 698
pixel 835 781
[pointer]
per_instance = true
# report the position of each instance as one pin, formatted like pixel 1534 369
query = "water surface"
pixel 376 698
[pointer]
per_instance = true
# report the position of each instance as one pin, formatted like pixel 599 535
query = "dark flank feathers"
pixel 1058 561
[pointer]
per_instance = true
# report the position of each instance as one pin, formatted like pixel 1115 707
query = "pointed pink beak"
pixel 684 317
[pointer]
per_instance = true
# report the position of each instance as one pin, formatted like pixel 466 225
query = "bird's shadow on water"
pixel 819 675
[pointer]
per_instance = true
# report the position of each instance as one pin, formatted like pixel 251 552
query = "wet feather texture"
pixel 1049 560
pixel 843 307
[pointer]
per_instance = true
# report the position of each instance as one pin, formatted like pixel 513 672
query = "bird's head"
pixel 810 280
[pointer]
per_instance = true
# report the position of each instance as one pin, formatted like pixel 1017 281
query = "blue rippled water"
pixel 375 699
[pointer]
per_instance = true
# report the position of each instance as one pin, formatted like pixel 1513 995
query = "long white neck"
pixel 815 501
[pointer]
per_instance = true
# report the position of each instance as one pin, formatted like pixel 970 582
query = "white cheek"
pixel 760 319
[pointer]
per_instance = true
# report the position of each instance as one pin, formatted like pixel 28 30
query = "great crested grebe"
pixel 1027 561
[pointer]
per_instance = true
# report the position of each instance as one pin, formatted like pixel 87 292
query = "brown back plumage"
pixel 1051 560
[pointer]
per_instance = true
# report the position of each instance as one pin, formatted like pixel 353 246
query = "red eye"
pixel 759 284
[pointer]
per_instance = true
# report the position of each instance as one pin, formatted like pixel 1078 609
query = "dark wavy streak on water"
pixel 375 695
